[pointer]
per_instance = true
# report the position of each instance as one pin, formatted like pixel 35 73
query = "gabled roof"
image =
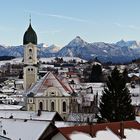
pixel 17 129
pixel 114 130
pixel 31 115
pixel 49 80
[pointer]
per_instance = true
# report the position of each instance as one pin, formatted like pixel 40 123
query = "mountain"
pixel 119 52
pixel 18 51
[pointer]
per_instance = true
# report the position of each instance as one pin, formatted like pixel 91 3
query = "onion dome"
pixel 30 36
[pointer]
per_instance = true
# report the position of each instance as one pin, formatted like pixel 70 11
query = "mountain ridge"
pixel 119 52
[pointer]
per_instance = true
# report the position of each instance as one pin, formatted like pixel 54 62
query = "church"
pixel 50 93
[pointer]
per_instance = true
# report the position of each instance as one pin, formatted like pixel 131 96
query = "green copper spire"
pixel 30 35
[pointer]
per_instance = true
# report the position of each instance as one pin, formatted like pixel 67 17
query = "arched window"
pixel 40 106
pixel 30 50
pixel 30 57
pixel 52 106
pixel 64 106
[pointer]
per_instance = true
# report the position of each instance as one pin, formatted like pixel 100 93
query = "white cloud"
pixel 58 16
pixel 133 27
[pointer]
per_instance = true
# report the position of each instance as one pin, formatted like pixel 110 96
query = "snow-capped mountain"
pixel 131 44
pixel 122 51
pixel 18 51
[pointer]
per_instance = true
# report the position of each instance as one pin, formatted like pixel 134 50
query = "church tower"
pixel 30 57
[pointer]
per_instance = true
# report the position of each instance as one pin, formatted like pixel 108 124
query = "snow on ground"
pixel 24 130
pixel 50 59
pixel 13 61
pixel 28 115
pixel 64 58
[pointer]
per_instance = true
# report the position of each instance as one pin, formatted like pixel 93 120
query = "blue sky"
pixel 59 21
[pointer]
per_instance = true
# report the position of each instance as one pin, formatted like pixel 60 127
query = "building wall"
pixel 30 50
pixel 30 62
pixel 34 105
pixel 30 76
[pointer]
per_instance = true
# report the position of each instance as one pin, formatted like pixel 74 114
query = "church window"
pixel 32 69
pixel 40 106
pixel 52 93
pixel 28 69
pixel 30 57
pixel 30 50
pixel 52 106
pixel 64 106
pixel 31 108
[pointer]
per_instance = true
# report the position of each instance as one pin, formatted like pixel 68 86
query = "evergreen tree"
pixel 125 75
pixel 115 104
pixel 96 73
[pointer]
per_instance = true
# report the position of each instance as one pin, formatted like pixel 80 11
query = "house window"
pixel 64 106
pixel 52 106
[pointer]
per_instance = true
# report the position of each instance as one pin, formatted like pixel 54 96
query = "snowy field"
pixel 19 60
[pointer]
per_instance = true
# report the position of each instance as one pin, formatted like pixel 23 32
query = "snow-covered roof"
pixel 103 131
pixel 10 107
pixel 24 130
pixel 7 90
pixel 19 81
pixel 28 115
pixel 131 134
pixel 81 117
pixel 133 74
pixel 49 80
pixel 101 135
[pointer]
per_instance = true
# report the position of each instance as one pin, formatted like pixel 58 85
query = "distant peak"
pixel 78 37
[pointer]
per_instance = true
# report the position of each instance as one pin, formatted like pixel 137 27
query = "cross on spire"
pixel 30 19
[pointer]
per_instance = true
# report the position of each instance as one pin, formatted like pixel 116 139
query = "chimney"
pixel 39 112
pixel 122 130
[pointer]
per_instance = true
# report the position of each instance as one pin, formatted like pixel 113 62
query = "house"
pixel 23 129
